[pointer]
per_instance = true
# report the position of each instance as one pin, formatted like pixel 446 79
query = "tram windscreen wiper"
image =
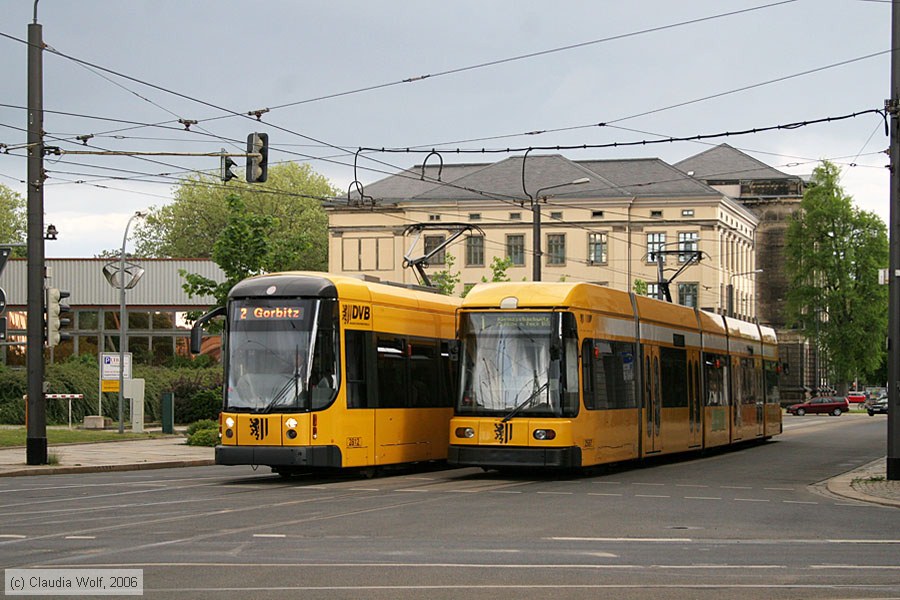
pixel 525 402
pixel 293 382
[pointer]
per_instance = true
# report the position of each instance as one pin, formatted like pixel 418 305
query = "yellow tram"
pixel 331 371
pixel 571 375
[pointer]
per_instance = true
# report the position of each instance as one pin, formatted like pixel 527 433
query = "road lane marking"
pixel 798 502
pixel 81 537
pixel 601 494
pixel 269 535
pixel 750 500
pixel 650 496
pixel 701 498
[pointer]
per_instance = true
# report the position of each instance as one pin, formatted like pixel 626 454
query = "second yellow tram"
pixel 569 375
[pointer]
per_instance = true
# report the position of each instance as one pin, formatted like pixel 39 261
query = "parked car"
pixel 855 397
pixel 879 405
pixel 830 405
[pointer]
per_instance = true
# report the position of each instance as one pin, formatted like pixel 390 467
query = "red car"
pixel 831 405
pixel 856 397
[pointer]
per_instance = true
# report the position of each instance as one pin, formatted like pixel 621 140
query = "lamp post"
pixel 123 324
pixel 730 289
pixel 536 222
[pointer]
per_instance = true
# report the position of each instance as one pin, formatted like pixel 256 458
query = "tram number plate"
pixel 354 442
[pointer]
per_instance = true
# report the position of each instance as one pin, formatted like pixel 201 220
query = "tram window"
pixel 357 387
pixel 749 381
pixel 771 383
pixel 423 374
pixel 608 374
pixel 674 377
pixel 715 368
pixel 323 379
pixel 391 367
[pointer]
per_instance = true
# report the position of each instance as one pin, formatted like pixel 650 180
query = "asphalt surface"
pixel 867 483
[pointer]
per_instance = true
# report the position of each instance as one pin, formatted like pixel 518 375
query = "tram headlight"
pixel 465 432
pixel 291 433
pixel 229 422
pixel 543 434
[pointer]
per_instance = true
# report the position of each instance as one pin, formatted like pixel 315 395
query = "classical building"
pixel 773 197
pixel 603 221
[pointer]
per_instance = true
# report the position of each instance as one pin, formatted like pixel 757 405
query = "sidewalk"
pixel 867 483
pixel 125 455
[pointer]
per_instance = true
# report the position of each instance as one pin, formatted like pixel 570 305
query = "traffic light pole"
pixel 36 416
pixel 893 106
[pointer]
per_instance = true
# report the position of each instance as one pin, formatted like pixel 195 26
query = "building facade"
pixel 158 328
pixel 609 229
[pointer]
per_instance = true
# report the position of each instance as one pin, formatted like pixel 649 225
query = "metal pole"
pixel 123 326
pixel 36 437
pixel 729 291
pixel 893 416
pixel 536 242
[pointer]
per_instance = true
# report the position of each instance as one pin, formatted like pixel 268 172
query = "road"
pixel 753 523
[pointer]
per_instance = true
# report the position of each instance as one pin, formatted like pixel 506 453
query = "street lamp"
pixel 730 289
pixel 116 278
pixel 536 222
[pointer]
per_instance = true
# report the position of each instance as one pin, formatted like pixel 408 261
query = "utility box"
pixel 134 391
pixel 167 408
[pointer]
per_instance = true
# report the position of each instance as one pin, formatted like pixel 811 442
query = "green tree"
pixel 242 248
pixel 833 252
pixel 639 287
pixel 446 280
pixel 292 197
pixel 499 267
pixel 13 219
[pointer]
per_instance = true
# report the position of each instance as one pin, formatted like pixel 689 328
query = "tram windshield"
pixel 515 364
pixel 281 355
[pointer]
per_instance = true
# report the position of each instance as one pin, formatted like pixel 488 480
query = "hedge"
pixel 198 392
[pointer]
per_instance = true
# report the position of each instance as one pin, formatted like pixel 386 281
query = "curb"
pixel 842 485
pixel 67 470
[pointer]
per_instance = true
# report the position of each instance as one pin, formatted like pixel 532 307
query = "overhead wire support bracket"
pixel 421 262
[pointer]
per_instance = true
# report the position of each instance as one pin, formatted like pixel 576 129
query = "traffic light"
pixel 225 167
pixel 257 157
pixel 57 316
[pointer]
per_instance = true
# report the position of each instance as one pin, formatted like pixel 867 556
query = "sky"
pixel 342 75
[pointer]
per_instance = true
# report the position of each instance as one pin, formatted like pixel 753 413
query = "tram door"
pixel 695 405
pixel 652 402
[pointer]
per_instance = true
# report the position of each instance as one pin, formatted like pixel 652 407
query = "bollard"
pixel 167 408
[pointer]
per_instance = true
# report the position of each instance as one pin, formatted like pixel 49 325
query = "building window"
pixel 655 243
pixel 653 291
pixel 475 251
pixel 556 216
pixel 687 245
pixel 656 214
pixel 556 249
pixel 434 217
pixel 516 216
pixel 597 248
pixel 688 294
pixel 515 249
pixel 474 216
pixel 596 214
pixel 432 242
pixel 688 212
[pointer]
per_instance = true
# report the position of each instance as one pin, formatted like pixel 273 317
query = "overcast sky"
pixel 626 65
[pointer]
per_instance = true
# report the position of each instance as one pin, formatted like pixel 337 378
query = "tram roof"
pixel 549 295
pixel 329 285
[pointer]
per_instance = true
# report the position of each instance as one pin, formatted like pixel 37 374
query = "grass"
pixel 15 436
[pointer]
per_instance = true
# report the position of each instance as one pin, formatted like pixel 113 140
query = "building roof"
pixel 725 163
pixel 160 285
pixel 502 180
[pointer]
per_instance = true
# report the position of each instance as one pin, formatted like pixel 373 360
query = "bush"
pixel 202 405
pixel 202 424
pixel 204 437
pixel 197 391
